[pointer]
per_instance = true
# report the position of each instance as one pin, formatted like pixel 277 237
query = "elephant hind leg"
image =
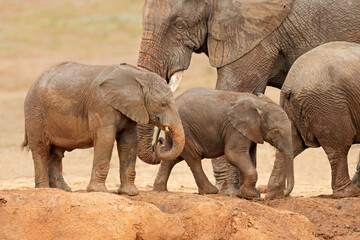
pixel 242 161
pixel 162 177
pixel 340 180
pixel 56 178
pixel 40 156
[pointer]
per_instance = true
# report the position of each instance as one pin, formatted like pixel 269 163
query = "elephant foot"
pixel 42 185
pixel 349 191
pixel 160 187
pixel 96 187
pixel 274 192
pixel 247 193
pixel 210 189
pixel 60 184
pixel 227 188
pixel 128 189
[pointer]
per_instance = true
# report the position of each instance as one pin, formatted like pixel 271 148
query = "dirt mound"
pixel 54 214
pixel 332 218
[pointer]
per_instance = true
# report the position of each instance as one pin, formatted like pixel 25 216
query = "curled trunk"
pixel 162 153
pixel 146 153
pixel 178 141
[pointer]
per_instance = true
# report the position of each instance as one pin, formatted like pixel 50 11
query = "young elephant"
pixel 79 106
pixel 221 122
pixel 321 96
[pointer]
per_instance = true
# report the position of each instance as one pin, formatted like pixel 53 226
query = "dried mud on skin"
pixel 55 214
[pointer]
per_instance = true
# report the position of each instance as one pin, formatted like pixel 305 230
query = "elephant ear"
pixel 245 118
pixel 237 26
pixel 122 91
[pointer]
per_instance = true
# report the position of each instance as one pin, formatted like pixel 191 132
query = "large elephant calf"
pixel 321 95
pixel 221 122
pixel 72 105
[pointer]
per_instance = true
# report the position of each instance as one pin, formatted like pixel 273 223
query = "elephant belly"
pixel 70 133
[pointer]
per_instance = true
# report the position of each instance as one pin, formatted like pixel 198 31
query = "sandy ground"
pixel 36 34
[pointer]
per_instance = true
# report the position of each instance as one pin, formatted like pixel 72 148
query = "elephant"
pixel 321 97
pixel 252 44
pixel 72 105
pixel 226 123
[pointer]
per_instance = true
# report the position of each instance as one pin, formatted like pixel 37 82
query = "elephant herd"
pixel 308 48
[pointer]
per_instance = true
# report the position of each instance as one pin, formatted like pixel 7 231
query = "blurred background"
pixel 36 34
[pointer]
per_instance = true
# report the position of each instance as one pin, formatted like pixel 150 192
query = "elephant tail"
pixel 25 142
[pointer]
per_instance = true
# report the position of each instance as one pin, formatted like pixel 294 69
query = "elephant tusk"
pixel 175 80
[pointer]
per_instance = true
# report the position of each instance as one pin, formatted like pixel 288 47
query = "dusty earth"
pixel 36 34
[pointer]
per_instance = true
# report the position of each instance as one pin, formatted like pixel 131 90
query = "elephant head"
pixel 262 120
pixel 145 98
pixel 223 29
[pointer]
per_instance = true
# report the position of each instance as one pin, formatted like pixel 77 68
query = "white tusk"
pixel 175 80
pixel 167 129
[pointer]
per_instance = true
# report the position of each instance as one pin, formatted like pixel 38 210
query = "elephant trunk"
pixel 146 153
pixel 289 162
pixel 149 59
pixel 178 142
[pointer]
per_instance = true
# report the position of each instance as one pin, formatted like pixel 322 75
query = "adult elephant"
pixel 252 44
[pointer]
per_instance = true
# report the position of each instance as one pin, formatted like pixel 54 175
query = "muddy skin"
pixel 72 105
pixel 228 123
pixel 321 97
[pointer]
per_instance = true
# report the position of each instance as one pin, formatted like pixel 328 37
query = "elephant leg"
pixel 103 146
pixel 40 156
pixel 340 180
pixel 203 183
pixel 276 184
pixel 162 177
pixel 127 144
pixel 56 178
pixel 240 158
pixel 356 178
pixel 227 176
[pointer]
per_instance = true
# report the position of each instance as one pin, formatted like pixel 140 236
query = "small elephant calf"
pixel 72 105
pixel 222 122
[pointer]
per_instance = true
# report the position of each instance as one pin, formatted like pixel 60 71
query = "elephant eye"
pixel 163 104
pixel 276 132
pixel 180 23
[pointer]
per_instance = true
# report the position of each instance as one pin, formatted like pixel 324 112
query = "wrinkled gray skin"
pixel 321 95
pixel 229 127
pixel 72 105
pixel 248 54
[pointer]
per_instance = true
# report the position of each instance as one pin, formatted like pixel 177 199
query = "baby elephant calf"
pixel 222 122
pixel 73 105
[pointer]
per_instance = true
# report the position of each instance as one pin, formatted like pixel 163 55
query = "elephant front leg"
pixel 227 176
pixel 162 177
pixel 127 145
pixel 102 154
pixel 340 179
